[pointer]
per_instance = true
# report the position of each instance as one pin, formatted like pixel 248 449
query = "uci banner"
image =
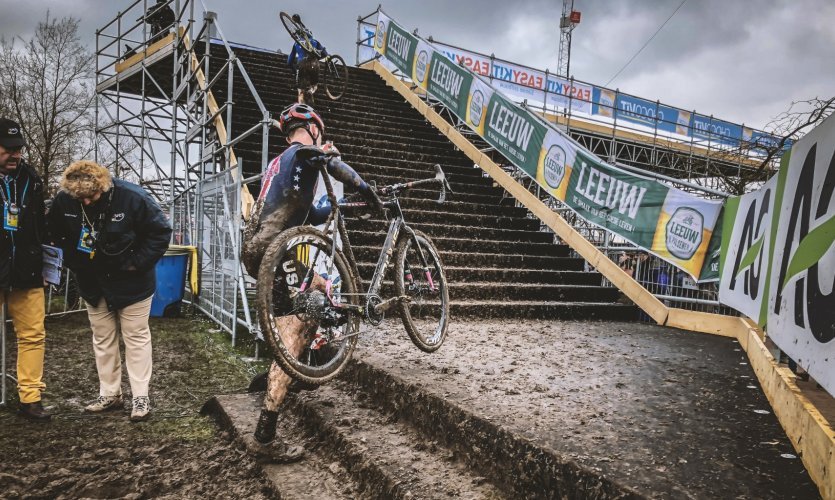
pixel 668 222
pixel 778 263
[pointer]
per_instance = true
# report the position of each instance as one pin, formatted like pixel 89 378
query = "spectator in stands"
pixel 21 284
pixel 160 18
pixel 285 201
pixel 305 64
pixel 112 233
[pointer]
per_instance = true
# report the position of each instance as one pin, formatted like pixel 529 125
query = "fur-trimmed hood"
pixel 85 178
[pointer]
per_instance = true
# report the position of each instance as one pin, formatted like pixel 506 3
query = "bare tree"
pixel 793 123
pixel 49 88
pixel 763 152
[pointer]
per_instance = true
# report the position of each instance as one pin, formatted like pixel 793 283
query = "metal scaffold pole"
pixel 166 115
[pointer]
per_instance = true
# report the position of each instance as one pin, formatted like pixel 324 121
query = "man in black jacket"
pixel 20 265
pixel 112 234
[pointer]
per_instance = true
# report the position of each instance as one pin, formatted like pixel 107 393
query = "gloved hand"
pixel 375 202
pixel 330 149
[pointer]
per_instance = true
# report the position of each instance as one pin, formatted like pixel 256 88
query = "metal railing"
pixel 175 108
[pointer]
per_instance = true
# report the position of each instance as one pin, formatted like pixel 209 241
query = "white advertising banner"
pixel 520 82
pixel 745 261
pixel 801 307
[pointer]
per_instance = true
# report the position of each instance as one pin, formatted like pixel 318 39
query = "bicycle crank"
pixel 376 308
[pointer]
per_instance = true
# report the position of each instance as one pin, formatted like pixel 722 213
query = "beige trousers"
pixel 133 323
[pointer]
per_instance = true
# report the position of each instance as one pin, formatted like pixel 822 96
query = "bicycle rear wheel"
pixel 336 77
pixel 296 31
pixel 426 315
pixel 310 339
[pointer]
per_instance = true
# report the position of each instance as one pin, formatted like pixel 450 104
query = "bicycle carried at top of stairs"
pixel 309 279
pixel 335 75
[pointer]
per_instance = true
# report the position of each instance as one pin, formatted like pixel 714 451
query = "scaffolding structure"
pixel 159 124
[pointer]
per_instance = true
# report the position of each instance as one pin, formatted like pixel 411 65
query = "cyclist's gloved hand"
pixel 312 153
pixel 375 201
pixel 330 149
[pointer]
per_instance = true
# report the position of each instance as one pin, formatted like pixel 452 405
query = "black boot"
pixel 259 383
pixel 264 445
pixel 265 430
pixel 33 411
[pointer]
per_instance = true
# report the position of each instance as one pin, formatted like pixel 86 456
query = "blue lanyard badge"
pixel 86 241
pixel 11 210
pixel 10 217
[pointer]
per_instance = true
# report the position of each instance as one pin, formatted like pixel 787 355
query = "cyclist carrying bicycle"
pixel 285 201
pixel 304 61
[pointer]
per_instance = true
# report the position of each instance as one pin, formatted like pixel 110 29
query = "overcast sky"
pixel 740 60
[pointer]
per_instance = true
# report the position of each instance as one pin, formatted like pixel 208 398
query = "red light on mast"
pixel 575 17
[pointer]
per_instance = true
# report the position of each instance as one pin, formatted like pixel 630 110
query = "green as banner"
pixel 778 262
pixel 450 83
pixel 514 132
pixel 623 203
pixel 746 247
pixel 801 284
pixel 396 44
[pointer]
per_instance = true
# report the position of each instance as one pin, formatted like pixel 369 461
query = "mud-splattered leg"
pixel 292 331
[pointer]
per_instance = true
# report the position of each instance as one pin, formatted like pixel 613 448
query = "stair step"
pixel 315 477
pixel 463 292
pixel 472 220
pixel 492 275
pixel 370 254
pixel 531 309
pixel 487 291
pixel 387 456
pixel 511 459
pixel 442 230
pixel 452 244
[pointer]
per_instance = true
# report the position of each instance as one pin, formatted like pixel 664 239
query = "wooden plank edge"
pixel 147 51
pixel 809 432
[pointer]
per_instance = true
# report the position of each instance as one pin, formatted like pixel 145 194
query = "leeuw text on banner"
pixel 668 222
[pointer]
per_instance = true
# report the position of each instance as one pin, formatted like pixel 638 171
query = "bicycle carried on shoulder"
pixel 311 276
pixel 335 75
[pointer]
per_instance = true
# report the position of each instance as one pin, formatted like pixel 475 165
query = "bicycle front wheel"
pixel 419 275
pixel 297 32
pixel 310 335
pixel 336 77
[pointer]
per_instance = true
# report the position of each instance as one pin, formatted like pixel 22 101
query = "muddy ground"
pixel 176 454
pixel 665 412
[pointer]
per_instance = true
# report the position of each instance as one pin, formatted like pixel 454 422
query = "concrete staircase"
pixel 498 262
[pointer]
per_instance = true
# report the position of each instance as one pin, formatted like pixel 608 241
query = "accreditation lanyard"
pixel 90 231
pixel 11 209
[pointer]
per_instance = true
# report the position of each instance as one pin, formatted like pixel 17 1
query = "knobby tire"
pixel 265 300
